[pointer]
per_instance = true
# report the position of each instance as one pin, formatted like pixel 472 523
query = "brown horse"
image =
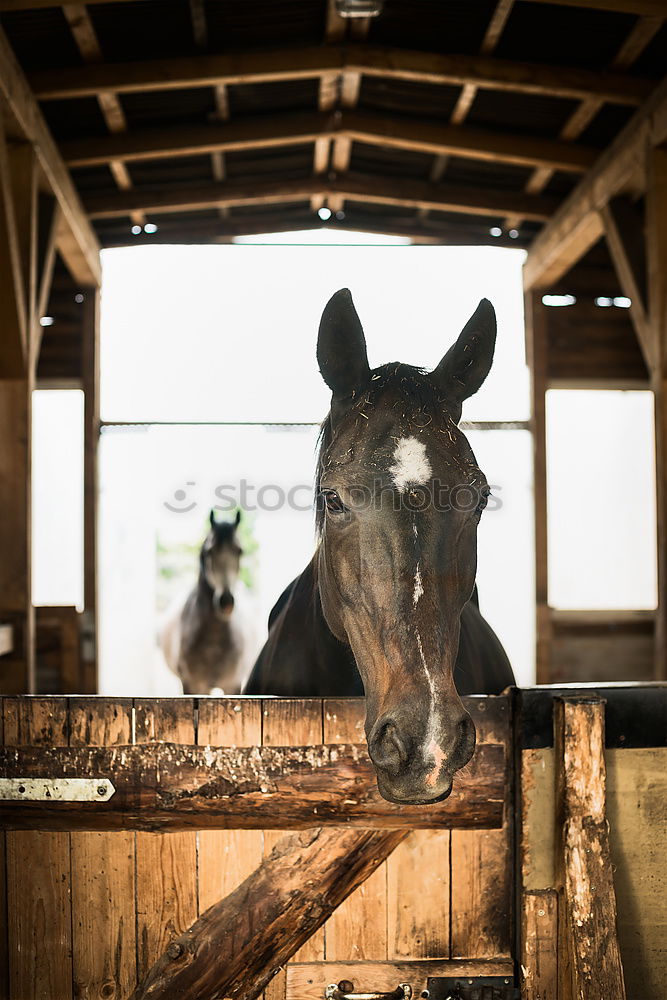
pixel 388 600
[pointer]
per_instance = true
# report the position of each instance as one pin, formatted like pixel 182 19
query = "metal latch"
pixel 472 988
pixel 56 789
pixel 345 991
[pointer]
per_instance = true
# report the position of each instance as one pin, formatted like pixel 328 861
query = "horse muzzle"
pixel 224 603
pixel 418 768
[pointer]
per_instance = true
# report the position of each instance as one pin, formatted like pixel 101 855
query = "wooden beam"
pixel 90 370
pixel 6 639
pixel 589 899
pixel 358 187
pixel 642 8
pixel 13 306
pixel 168 786
pixel 295 129
pixel 77 242
pixel 313 63
pixel 239 944
pixel 577 224
pixel 624 230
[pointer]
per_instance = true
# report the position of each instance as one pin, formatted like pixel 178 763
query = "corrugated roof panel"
pixel 264 23
pixel 390 162
pixel 164 107
pixel 566 36
pixel 171 172
pixel 291 161
pixel 144 29
pixel 41 39
pixel 433 25
pixel 607 123
pixel 263 98
pixel 75 119
pixel 404 97
pixel 483 174
pixel 94 180
pixel 532 114
pixel 653 60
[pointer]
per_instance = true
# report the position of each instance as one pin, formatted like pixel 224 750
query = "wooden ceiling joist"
pixel 294 129
pixel 639 7
pixel 578 223
pixel 313 63
pixel 76 240
pixel 357 187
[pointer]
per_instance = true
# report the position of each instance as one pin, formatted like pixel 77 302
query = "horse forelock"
pixel 393 386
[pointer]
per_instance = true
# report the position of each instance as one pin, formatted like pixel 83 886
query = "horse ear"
pixel 237 519
pixel 467 362
pixel 341 347
pixel 211 518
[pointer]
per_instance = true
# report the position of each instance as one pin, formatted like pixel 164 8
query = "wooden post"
pixel 537 352
pixel 588 916
pixel 239 944
pixel 90 364
pixel 656 232
pixel 17 365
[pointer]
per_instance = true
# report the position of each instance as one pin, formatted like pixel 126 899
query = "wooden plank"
pixel 637 814
pixel 656 247
pixel 166 864
pixel 358 928
pixel 13 310
pixel 358 187
pixel 294 129
pixel 418 886
pixel 537 354
pixel 481 862
pixel 313 63
pixel 539 945
pixel 589 919
pixel 6 639
pixel 17 669
pixel 299 720
pixel 103 914
pixel 624 231
pixel 90 371
pixel 227 857
pixel 38 872
pixel 173 786
pixel 77 242
pixel 577 224
pixel 238 945
pixel 308 981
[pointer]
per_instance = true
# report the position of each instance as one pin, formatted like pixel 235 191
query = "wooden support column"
pixel 587 893
pixel 17 366
pixel 656 234
pixel 91 389
pixel 536 352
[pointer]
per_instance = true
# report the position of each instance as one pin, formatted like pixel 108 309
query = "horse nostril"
pixel 387 749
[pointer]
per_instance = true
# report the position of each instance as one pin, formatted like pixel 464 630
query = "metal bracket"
pixel 472 988
pixel 56 789
pixel 334 992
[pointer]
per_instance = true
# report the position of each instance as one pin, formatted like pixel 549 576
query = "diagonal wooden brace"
pixel 236 947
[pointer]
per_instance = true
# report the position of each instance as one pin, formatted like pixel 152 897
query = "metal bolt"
pixel 175 950
pixel 21 788
pixel 101 790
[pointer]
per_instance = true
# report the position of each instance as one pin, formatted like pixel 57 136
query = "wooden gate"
pixel 91 910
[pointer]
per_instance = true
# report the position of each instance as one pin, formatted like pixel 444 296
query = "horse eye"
pixel 333 502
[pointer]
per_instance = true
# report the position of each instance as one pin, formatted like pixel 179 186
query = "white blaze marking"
pixel 432 746
pixel 419 587
pixel 411 464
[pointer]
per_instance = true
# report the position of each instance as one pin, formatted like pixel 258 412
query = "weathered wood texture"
pixel 122 898
pixel 239 944
pixel 589 900
pixel 539 945
pixel 168 786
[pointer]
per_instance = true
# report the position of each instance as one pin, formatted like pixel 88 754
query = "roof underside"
pixel 444 120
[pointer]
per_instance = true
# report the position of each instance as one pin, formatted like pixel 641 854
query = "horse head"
pixel 220 558
pixel 399 498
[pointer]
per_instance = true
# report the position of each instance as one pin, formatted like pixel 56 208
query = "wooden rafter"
pixel 313 63
pixel 639 7
pixel 577 224
pixel 358 187
pixel 642 33
pixel 295 129
pixel 77 242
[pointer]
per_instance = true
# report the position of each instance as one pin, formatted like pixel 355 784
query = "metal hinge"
pixel 56 789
